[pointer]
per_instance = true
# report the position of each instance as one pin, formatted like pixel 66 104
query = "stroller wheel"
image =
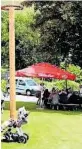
pixel 27 136
pixel 22 139
pixel 7 138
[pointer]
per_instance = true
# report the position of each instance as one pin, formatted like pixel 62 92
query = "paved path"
pixel 23 98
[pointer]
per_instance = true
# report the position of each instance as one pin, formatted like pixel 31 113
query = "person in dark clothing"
pixel 45 97
pixel 75 99
pixel 63 97
pixel 46 94
pixel 67 91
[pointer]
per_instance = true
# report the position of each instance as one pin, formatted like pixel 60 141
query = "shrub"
pixel 61 84
pixel 3 85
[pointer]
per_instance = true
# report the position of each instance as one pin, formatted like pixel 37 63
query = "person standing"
pixel 2 101
pixel 45 97
pixel 80 91
pixel 42 88
pixel 54 97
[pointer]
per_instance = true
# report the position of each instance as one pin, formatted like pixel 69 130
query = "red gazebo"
pixel 46 70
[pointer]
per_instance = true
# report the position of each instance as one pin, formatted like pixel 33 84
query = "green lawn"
pixel 50 130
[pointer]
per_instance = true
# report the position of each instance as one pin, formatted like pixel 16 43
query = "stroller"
pixel 18 136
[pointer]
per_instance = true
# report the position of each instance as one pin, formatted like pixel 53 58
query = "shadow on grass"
pixel 57 111
pixel 32 107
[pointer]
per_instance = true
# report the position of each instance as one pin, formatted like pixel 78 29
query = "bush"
pixel 3 85
pixel 77 70
pixel 60 84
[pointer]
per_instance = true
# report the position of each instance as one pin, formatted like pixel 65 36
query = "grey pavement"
pixel 23 98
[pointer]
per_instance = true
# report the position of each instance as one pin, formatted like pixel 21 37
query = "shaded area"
pixel 32 107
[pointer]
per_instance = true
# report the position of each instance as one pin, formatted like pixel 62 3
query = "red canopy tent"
pixel 30 72
pixel 46 70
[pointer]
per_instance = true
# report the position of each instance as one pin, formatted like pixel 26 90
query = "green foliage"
pixel 4 38
pixel 60 26
pixel 26 38
pixel 45 31
pixel 3 85
pixel 75 70
pixel 3 70
pixel 3 81
pixel 59 84
pixel 62 85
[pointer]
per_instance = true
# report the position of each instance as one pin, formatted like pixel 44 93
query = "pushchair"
pixel 18 136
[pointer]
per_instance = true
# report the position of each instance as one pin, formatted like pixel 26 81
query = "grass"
pixel 27 105
pixel 50 130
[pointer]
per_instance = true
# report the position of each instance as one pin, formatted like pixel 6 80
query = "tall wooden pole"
pixel 11 9
pixel 12 63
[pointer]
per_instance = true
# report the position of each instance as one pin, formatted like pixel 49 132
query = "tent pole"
pixel 42 79
pixel 66 69
pixel 66 83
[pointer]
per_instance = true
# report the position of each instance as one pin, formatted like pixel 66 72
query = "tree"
pixel 60 25
pixel 73 69
pixel 26 38
pixel 4 39
pixel 45 31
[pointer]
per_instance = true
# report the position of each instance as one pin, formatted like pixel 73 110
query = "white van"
pixel 25 86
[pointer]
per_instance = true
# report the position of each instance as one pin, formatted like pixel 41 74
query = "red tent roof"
pixel 46 70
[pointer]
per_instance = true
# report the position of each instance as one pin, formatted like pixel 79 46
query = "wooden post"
pixel 12 63
pixel 11 9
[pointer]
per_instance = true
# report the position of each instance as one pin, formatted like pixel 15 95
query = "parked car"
pixel 25 86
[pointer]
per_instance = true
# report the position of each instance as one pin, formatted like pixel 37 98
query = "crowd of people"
pixel 51 99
